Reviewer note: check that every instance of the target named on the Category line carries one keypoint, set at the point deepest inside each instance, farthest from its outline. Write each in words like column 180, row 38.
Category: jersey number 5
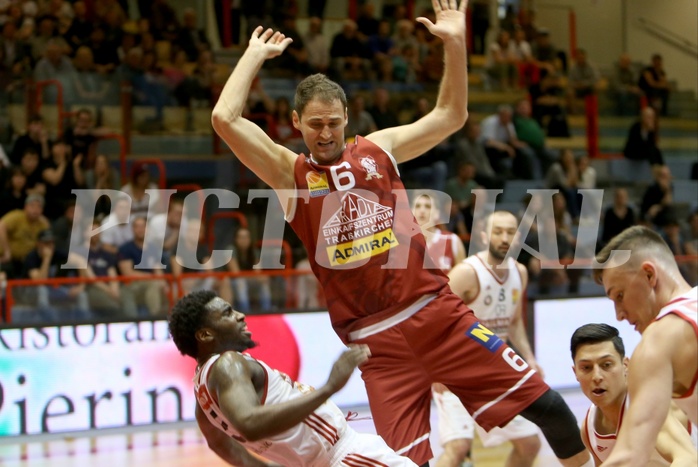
column 345, row 180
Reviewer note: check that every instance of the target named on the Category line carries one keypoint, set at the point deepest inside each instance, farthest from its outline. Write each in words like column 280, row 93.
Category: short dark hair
column 596, row 333
column 318, row 86
column 188, row 316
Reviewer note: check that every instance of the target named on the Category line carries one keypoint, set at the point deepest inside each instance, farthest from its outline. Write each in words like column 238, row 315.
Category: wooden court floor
column 184, row 446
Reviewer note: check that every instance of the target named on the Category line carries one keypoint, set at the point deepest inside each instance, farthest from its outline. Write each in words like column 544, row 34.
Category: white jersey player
column 493, row 286
column 245, row 407
column 640, row 275
column 601, row 368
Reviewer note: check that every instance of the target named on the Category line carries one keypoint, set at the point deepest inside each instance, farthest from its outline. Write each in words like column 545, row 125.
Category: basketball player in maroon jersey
column 347, row 204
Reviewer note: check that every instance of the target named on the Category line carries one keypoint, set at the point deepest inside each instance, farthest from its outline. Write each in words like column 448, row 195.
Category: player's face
column 631, row 292
column 322, row 125
column 422, row 210
column 502, row 235
column 228, row 325
column 601, row 373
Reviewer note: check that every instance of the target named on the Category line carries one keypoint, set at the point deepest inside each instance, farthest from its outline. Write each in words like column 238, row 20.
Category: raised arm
column 650, row 378
column 231, row 379
column 270, row 162
column 451, row 109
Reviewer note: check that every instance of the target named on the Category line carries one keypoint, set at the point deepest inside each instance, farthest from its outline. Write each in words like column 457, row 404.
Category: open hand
column 450, row 19
column 270, row 42
column 345, row 365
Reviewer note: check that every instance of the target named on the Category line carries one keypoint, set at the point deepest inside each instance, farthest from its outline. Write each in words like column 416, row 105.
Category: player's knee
column 458, row 448
column 557, row 422
column 527, row 448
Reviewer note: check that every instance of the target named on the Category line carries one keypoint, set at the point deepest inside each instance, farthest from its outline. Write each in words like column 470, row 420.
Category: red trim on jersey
column 357, row 460
column 322, row 427
column 214, row 397
column 489, row 269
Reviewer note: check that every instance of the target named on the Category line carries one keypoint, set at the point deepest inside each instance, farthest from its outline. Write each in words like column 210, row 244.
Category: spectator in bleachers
column 587, row 177
column 191, row 38
column 507, row 153
column 62, row 227
column 180, row 264
column 62, row 174
column 82, row 137
column 480, row 25
column 281, row 128
column 527, row 70
column 172, row 224
column 690, row 236
column 563, row 175
column 366, row 21
column 36, row 138
column 13, row 194
column 433, row 64
column 431, row 170
column 404, row 35
column 382, row 49
column 547, row 98
column 129, row 40
column 14, row 49
column 175, row 74
column 658, row 196
column 583, row 79
column 19, row 230
column 104, row 52
column 469, row 146
column 530, row 132
column 617, row 217
column 383, row 115
column 501, row 61
column 91, row 86
column 44, row 262
column 294, row 62
column 317, row 47
column 105, row 8
column 405, row 65
column 104, row 297
column 349, row 55
column 47, row 31
column 245, row 256
column 460, row 186
column 118, row 230
column 163, row 20
column 142, row 202
column 653, row 82
column 641, row 143
column 80, row 28
column 624, row 88
column 102, row 177
column 56, row 65
column 545, row 53
column 360, row 121
column 147, row 287
column 196, row 89
column 31, row 167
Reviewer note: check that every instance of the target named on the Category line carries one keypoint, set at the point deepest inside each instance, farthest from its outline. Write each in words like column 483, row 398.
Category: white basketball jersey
column 602, row 445
column 443, row 248
column 310, row 443
column 686, row 307
column 497, row 300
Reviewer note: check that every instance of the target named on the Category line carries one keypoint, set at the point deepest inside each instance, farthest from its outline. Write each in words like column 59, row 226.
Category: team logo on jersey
column 360, row 228
column 514, row 296
column 370, row 167
column 484, row 337
column 317, row 184
column 602, row 448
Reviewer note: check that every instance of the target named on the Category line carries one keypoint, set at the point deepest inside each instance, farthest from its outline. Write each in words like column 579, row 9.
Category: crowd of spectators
column 168, row 60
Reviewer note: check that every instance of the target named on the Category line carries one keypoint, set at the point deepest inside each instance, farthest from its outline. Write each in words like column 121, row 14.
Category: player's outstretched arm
column 463, row 281
column 231, row 378
column 451, row 109
column 650, row 378
column 271, row 162
column 226, row 447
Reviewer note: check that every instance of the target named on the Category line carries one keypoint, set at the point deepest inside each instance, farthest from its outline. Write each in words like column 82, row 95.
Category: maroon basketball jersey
column 363, row 243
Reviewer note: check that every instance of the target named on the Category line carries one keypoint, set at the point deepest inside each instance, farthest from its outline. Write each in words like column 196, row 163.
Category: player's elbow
column 250, row 429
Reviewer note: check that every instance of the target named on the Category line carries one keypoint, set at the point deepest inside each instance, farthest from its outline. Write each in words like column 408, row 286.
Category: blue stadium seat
column 680, row 167
column 626, row 170
column 686, row 191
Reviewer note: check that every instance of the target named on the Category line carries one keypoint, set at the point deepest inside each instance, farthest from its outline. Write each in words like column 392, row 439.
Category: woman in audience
column 14, row 194
column 641, row 144
column 245, row 256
